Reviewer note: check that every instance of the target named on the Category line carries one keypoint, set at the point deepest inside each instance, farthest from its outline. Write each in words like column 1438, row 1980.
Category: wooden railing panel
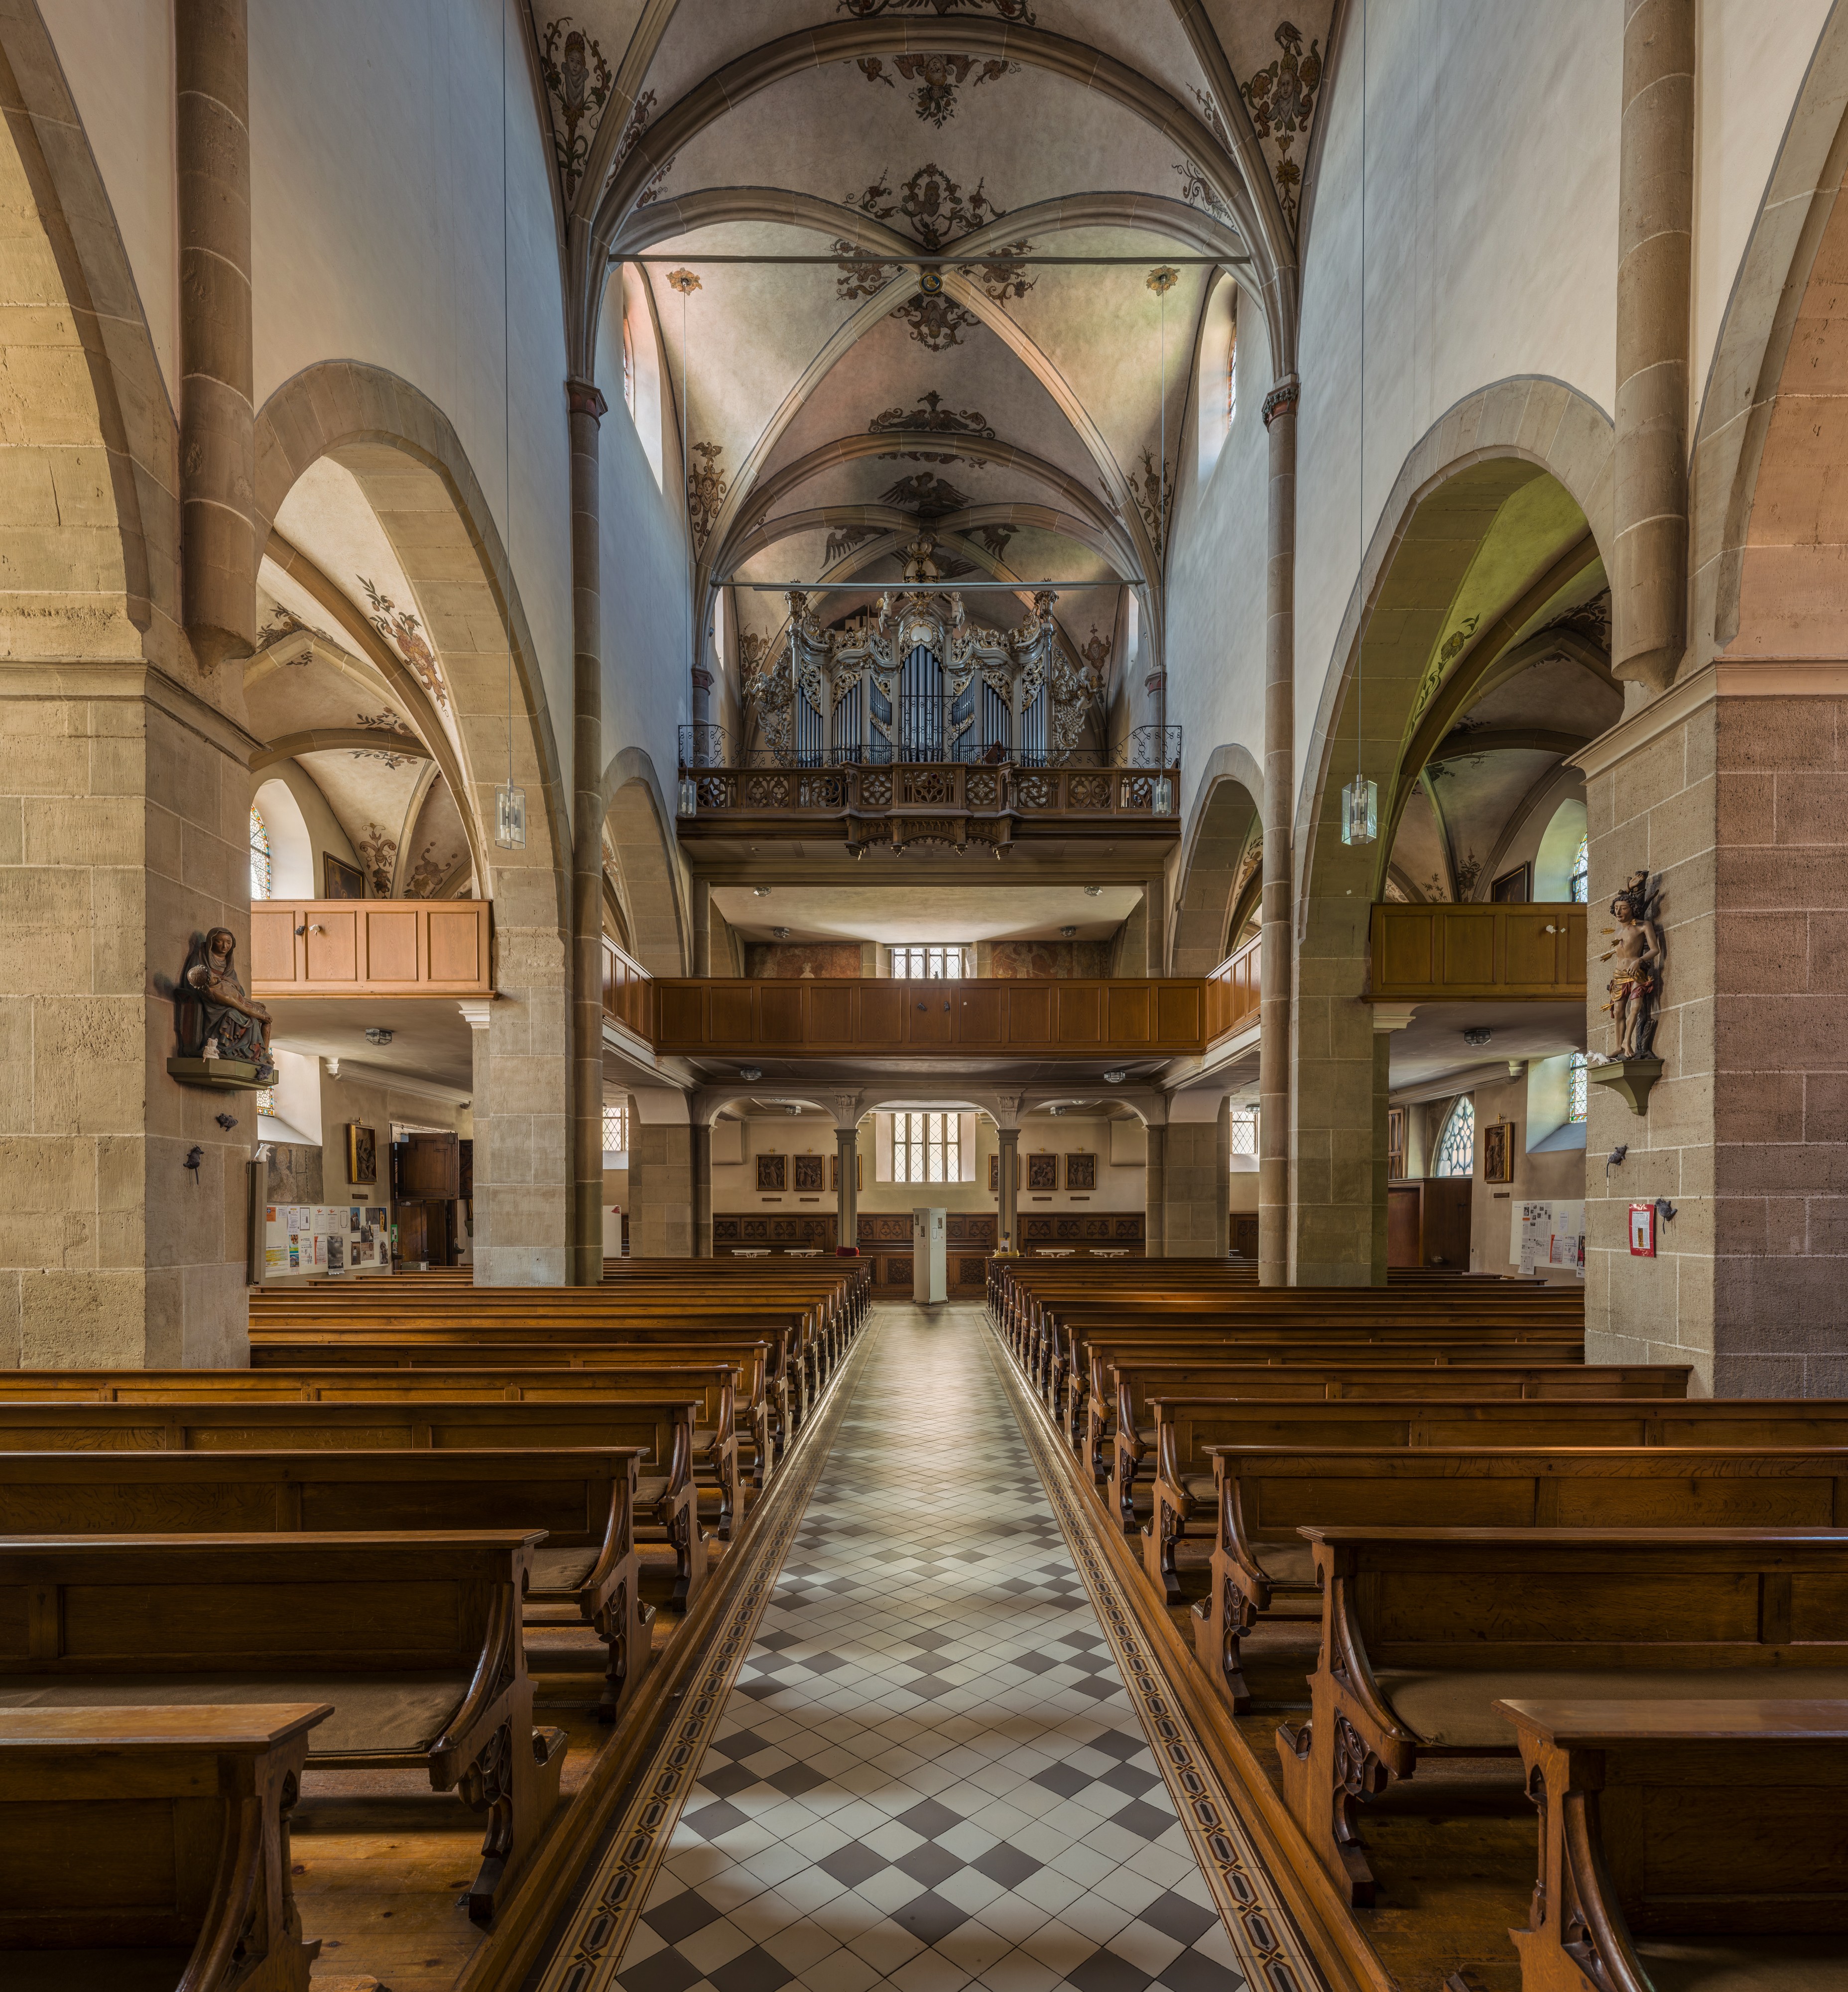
column 1002, row 1016
column 1532, row 953
column 370, row 947
column 1232, row 991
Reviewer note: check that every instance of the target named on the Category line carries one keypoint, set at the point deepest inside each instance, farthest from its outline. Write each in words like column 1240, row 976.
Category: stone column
column 1655, row 218
column 660, row 1192
column 1005, row 1168
column 847, row 1153
column 1154, row 1221
column 217, row 442
column 1196, row 1184
column 1275, row 980
column 1154, row 937
column 700, row 896
column 702, row 1190
column 586, row 407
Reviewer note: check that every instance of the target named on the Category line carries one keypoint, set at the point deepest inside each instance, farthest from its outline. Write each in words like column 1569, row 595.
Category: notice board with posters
column 303, row 1239
column 1548, row 1234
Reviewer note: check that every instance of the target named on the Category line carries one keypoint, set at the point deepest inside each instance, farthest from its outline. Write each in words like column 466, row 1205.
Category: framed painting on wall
column 1042, row 1172
column 1081, row 1172
column 341, row 882
column 859, row 1171
column 1513, row 888
column 809, row 1171
column 362, row 1155
column 1498, row 1152
column 772, row 1172
column 994, row 1172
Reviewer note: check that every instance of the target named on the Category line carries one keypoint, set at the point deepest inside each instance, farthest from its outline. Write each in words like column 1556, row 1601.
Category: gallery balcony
column 1525, row 953
column 370, row 948
column 982, row 803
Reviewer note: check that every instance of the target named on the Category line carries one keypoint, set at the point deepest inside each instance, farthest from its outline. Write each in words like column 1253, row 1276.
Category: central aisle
column 928, row 1771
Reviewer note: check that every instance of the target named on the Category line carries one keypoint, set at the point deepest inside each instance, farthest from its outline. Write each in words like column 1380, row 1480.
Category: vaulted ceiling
column 1016, row 410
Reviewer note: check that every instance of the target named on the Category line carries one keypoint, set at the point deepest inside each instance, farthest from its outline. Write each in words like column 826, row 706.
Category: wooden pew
column 583, row 1499
column 1714, row 1823
column 1424, row 1630
column 720, row 1386
column 413, row 1639
column 664, row 1499
column 1134, row 1386
column 151, row 1845
column 1266, row 1495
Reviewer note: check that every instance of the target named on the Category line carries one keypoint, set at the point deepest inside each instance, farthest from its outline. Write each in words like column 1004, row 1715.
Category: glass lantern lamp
column 1360, row 811
column 510, row 818
column 690, row 795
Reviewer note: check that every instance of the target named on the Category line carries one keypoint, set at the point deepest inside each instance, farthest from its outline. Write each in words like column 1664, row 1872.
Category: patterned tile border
column 587, row 1955
column 1263, row 1932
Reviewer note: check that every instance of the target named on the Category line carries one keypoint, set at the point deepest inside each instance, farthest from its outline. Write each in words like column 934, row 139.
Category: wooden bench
column 413, row 1639
column 1134, row 1387
column 1716, row 1824
column 583, row 1499
column 1266, row 1495
column 665, row 1508
column 151, row 1846
column 1424, row 1630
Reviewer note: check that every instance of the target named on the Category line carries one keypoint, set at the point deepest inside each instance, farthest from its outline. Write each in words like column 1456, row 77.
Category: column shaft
column 217, row 434
column 1155, row 1222
column 702, row 1190
column 585, row 1256
column 1656, row 221
column 1006, row 1167
column 847, row 1151
column 701, row 897
column 1279, row 808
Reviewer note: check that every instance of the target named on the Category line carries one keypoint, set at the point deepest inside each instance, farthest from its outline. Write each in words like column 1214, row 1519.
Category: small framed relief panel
column 1081, row 1172
column 994, row 1171
column 1498, row 1152
column 859, row 1171
column 809, row 1171
column 1042, row 1172
column 362, row 1155
column 772, row 1172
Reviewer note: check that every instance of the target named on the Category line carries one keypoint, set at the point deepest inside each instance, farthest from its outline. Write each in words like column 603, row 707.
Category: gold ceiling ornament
column 684, row 281
column 1164, row 280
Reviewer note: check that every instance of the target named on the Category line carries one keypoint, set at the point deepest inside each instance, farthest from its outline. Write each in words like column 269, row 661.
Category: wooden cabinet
column 426, row 1169
column 1428, row 1221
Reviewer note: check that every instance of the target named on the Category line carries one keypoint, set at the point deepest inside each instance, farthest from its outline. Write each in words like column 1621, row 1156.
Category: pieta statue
column 1638, row 948
column 216, row 1018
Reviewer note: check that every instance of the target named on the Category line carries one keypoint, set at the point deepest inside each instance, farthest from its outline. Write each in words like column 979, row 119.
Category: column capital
column 1287, row 392
column 477, row 1009
column 584, row 397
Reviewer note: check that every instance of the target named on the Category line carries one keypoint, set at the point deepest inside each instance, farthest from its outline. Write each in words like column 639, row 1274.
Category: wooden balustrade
column 626, row 984
column 999, row 1017
column 1232, row 991
column 370, row 947
column 1507, row 953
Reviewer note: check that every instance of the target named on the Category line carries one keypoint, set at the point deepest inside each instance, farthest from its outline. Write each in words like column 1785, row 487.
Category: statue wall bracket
column 1631, row 1079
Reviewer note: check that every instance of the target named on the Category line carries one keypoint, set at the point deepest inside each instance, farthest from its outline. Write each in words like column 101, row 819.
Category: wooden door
column 430, row 1168
column 1404, row 1224
column 413, row 1233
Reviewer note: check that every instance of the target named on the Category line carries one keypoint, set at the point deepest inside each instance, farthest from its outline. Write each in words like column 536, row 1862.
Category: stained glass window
column 927, row 1148
column 629, row 370
column 1457, row 1145
column 1232, row 366
column 266, row 1101
column 1581, row 871
column 1577, row 1081
column 263, row 866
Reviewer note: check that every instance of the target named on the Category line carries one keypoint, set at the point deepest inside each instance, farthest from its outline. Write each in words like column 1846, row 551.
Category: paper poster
column 1548, row 1234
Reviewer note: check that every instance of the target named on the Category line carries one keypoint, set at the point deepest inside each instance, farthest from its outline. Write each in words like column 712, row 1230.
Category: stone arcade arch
column 1441, row 510
column 1228, row 801
column 405, row 455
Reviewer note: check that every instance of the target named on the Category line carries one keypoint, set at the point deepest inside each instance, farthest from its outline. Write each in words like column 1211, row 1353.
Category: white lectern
column 929, row 1272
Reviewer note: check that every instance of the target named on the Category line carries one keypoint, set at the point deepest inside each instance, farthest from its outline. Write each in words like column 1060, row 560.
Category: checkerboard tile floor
column 928, row 1774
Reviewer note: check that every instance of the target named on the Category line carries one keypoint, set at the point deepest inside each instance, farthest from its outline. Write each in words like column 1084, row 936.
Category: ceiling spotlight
column 1069, row 933
column 794, row 1106
column 1092, row 891
column 750, row 1071
column 377, row 1036
column 760, row 892
column 1118, row 1076
column 781, row 934
column 1477, row 1037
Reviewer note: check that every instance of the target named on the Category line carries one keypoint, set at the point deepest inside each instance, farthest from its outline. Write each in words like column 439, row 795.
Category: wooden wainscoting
column 370, row 947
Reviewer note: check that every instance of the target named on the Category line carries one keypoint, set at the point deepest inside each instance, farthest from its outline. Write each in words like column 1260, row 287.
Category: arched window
column 1457, row 1144
column 263, row 869
column 1232, row 364
column 629, row 368
column 1581, row 871
column 1575, row 1087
